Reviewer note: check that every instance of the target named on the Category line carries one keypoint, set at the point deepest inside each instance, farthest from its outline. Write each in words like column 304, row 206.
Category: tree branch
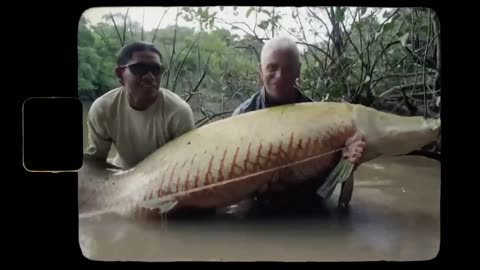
column 116, row 29
column 183, row 62
column 99, row 31
column 125, row 26
column 207, row 118
column 400, row 88
column 317, row 48
column 424, row 58
column 173, row 46
column 249, row 46
column 158, row 25
column 237, row 27
column 143, row 25
column 320, row 19
column 131, row 30
column 195, row 89
column 436, row 30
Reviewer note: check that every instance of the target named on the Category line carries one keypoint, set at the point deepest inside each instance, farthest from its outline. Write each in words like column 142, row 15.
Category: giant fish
column 225, row 162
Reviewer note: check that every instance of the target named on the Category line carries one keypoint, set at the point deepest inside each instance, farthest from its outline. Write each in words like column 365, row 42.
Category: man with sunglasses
column 139, row 116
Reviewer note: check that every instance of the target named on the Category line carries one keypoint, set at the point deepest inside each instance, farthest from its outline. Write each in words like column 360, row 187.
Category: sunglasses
column 140, row 69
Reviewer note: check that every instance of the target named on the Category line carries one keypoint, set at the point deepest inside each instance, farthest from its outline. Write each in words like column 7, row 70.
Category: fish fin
column 331, row 180
column 339, row 174
column 163, row 205
column 347, row 172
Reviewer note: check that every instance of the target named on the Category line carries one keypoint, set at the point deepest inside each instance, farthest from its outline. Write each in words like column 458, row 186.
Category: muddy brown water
column 394, row 216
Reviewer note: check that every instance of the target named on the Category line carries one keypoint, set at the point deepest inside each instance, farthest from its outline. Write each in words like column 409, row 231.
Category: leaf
column 264, row 24
column 359, row 24
column 363, row 10
column 249, row 11
column 266, row 12
column 211, row 23
column 403, row 39
column 378, row 33
column 274, row 24
column 204, row 14
column 388, row 26
column 340, row 14
column 424, row 29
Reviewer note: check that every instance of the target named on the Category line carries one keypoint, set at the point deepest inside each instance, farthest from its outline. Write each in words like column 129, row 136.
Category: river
column 394, row 216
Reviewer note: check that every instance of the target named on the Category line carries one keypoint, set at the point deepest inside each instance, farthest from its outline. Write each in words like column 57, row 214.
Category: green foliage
column 365, row 57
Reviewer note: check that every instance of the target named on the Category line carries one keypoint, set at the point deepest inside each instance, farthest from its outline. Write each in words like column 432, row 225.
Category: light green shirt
column 135, row 134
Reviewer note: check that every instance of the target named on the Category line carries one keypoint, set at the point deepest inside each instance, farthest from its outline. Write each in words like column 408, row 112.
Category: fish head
column 393, row 135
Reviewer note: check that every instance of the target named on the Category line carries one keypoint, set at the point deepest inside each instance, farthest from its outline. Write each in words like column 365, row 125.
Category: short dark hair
column 126, row 53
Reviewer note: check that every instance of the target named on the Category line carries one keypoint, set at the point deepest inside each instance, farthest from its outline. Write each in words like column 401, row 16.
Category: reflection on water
column 394, row 215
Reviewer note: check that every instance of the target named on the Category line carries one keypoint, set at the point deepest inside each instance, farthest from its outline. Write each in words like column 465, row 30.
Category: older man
column 279, row 69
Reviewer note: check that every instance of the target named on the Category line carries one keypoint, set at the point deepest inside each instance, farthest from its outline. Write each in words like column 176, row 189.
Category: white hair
column 279, row 43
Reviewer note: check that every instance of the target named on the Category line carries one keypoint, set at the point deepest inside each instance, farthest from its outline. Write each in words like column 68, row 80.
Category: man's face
column 279, row 72
column 142, row 74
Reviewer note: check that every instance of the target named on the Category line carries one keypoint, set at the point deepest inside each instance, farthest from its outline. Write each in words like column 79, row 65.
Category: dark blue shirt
column 259, row 101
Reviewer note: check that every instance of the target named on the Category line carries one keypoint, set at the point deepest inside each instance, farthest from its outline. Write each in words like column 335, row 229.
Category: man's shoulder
column 304, row 98
column 110, row 94
column 177, row 113
column 248, row 105
column 173, row 100
column 174, row 107
column 106, row 101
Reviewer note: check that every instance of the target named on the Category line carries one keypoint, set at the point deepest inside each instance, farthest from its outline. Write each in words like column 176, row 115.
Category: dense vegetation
column 388, row 59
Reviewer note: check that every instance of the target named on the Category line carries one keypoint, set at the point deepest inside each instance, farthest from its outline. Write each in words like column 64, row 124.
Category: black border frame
column 45, row 204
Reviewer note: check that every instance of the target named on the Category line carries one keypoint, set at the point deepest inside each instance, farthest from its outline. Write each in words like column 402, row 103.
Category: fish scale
column 226, row 161
column 239, row 164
